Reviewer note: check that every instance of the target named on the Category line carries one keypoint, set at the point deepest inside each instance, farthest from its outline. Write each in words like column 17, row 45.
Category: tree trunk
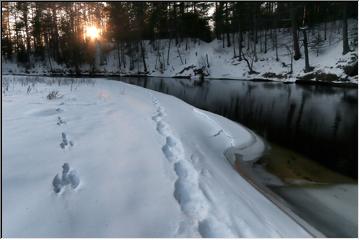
column 240, row 43
column 179, row 55
column 255, row 38
column 56, row 34
column 265, row 45
column 223, row 40
column 248, row 40
column 182, row 13
column 275, row 39
column 294, row 29
column 227, row 25
column 123, row 59
column 143, row 55
column 118, row 53
column 307, row 65
column 346, row 47
column 49, row 59
column 233, row 40
column 168, row 53
column 251, row 70
column 28, row 47
column 217, row 21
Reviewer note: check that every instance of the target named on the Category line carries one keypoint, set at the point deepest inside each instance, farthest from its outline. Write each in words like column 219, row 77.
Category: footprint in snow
column 158, row 116
column 213, row 228
column 163, row 128
column 195, row 158
column 161, row 110
column 60, row 121
column 205, row 173
column 65, row 142
column 68, row 177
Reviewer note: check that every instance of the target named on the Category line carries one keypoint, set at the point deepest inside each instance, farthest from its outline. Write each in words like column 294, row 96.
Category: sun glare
column 92, row 32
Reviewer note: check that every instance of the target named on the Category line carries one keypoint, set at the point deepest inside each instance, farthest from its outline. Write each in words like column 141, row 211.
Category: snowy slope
column 191, row 54
column 139, row 164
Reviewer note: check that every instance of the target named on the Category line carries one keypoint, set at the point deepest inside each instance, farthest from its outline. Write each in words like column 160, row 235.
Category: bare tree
column 294, row 29
column 250, row 58
column 346, row 47
column 307, row 65
column 290, row 51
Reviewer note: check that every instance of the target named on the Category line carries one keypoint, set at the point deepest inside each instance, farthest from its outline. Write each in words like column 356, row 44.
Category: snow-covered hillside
column 86, row 158
column 325, row 56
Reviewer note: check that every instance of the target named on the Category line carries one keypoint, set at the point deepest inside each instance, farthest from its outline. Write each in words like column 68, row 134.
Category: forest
column 65, row 31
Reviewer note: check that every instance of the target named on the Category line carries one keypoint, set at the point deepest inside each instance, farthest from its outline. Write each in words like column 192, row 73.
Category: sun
column 92, row 32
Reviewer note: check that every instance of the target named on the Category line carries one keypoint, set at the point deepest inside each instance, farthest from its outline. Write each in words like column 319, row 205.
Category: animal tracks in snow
column 187, row 192
column 68, row 177
column 65, row 142
column 172, row 149
column 60, row 121
column 163, row 128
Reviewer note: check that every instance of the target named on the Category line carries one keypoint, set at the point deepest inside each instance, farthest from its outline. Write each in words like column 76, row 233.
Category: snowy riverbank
column 141, row 163
column 222, row 62
column 302, row 185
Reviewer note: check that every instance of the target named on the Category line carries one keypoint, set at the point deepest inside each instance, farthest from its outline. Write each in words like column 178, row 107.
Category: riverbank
column 295, row 169
column 324, row 199
column 248, row 173
column 331, row 208
column 343, row 84
column 216, row 61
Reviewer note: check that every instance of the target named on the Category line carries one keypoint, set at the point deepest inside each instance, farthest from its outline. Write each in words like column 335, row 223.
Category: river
column 319, row 122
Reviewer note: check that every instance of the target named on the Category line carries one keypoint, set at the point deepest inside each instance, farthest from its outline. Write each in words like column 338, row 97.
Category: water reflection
column 318, row 121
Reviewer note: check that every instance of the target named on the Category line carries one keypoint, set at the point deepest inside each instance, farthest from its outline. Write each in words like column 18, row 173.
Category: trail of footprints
column 188, row 193
column 69, row 177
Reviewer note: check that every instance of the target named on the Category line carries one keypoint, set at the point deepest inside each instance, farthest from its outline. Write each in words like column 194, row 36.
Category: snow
column 108, row 159
column 326, row 57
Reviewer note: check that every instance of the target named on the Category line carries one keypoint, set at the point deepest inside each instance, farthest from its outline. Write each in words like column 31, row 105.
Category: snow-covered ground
column 107, row 159
column 325, row 56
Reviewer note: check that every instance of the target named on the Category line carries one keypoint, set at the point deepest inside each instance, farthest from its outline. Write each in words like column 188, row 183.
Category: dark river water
column 318, row 121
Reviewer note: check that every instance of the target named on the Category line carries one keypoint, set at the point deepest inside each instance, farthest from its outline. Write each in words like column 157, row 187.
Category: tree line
column 55, row 31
